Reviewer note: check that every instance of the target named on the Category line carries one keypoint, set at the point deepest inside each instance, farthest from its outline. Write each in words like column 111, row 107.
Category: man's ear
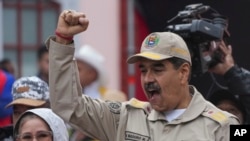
column 184, row 72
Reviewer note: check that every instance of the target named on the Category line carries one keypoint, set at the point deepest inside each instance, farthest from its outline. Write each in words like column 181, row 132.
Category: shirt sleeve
column 98, row 119
column 238, row 82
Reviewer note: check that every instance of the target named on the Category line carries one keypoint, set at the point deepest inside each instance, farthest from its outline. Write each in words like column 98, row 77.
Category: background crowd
column 27, row 97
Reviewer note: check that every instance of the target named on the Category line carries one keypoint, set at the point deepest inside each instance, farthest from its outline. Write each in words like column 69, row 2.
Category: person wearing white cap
column 93, row 76
column 175, row 110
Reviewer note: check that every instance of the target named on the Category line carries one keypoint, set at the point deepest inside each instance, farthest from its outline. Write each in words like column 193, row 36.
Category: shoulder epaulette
column 216, row 115
column 135, row 103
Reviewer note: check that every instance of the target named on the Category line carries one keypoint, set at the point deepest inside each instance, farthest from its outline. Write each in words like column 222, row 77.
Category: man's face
column 44, row 64
column 87, row 73
column 165, row 86
column 18, row 110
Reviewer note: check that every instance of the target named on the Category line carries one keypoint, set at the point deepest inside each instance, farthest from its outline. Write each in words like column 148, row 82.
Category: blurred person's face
column 34, row 128
column 165, row 86
column 230, row 107
column 18, row 110
column 44, row 64
column 87, row 73
column 10, row 68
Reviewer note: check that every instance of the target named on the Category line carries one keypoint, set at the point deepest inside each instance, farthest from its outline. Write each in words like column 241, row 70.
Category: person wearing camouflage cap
column 175, row 110
column 28, row 92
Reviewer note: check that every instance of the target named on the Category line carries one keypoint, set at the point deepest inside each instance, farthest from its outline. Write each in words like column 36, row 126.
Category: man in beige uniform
column 175, row 111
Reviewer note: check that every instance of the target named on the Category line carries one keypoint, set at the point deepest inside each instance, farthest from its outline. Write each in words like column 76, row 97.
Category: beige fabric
column 132, row 120
column 27, row 102
column 114, row 95
column 160, row 46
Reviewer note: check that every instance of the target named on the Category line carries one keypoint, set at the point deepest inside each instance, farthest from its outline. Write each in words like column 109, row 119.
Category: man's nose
column 149, row 77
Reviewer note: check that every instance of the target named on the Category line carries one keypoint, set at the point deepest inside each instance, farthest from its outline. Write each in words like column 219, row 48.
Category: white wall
column 103, row 33
column 1, row 30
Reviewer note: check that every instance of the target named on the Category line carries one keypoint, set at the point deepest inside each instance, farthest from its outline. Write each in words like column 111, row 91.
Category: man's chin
column 157, row 107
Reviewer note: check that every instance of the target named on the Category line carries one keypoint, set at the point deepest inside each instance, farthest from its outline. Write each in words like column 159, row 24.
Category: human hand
column 227, row 61
column 69, row 24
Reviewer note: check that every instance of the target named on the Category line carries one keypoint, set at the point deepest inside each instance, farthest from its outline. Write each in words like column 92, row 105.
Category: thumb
column 83, row 21
column 229, row 49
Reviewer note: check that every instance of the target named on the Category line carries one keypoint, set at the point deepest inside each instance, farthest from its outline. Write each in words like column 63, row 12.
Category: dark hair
column 6, row 132
column 225, row 94
column 3, row 63
column 41, row 51
column 177, row 62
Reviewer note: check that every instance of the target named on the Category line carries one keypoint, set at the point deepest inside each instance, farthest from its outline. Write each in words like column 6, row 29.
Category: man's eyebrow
column 140, row 66
column 156, row 64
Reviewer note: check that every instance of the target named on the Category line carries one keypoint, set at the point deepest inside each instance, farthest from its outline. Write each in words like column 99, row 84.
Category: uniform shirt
column 131, row 120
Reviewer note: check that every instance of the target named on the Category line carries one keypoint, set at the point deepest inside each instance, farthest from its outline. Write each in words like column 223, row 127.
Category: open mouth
column 152, row 89
column 152, row 93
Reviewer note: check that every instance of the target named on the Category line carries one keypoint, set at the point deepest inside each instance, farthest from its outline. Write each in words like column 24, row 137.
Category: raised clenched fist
column 70, row 23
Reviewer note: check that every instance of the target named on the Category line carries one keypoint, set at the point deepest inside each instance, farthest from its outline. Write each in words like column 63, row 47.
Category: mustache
column 152, row 86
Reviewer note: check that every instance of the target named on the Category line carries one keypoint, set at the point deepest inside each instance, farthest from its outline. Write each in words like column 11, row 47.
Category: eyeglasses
column 40, row 136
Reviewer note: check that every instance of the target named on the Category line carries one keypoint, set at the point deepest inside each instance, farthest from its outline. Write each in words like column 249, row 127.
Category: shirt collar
column 194, row 109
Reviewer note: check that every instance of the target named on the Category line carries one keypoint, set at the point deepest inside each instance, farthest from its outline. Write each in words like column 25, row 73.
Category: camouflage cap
column 30, row 91
column 162, row 45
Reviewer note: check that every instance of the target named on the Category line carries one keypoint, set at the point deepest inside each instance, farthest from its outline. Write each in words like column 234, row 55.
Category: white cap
column 88, row 54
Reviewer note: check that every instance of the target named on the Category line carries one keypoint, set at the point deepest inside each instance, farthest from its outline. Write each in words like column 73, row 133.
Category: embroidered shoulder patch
column 114, row 107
